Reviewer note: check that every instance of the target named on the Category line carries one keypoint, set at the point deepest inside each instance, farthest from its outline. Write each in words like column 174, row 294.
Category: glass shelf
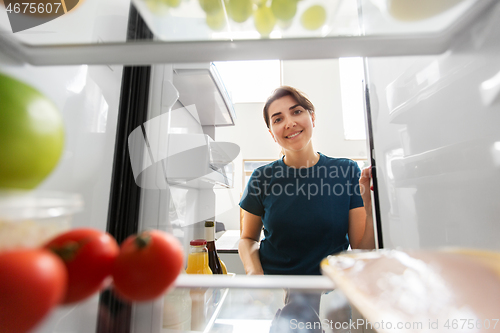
column 94, row 32
column 245, row 303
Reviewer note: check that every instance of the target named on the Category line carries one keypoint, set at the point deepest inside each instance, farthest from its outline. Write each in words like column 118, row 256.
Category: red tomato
column 147, row 265
column 32, row 282
column 88, row 255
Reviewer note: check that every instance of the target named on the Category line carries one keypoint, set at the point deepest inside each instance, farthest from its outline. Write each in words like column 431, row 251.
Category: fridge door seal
column 125, row 195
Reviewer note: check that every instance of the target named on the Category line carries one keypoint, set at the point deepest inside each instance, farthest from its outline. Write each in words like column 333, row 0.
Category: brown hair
column 283, row 91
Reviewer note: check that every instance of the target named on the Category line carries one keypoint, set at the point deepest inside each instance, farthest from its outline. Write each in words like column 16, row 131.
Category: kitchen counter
column 228, row 242
column 227, row 247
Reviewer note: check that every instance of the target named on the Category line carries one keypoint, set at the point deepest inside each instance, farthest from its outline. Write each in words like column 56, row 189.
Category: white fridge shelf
column 370, row 30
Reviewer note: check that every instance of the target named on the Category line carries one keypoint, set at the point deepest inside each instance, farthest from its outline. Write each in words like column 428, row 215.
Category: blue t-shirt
column 305, row 212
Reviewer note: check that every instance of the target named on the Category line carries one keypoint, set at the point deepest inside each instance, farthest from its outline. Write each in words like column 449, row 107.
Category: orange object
column 198, row 258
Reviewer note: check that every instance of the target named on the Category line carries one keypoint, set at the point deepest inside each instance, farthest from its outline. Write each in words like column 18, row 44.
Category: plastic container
column 177, row 310
column 30, row 218
column 198, row 264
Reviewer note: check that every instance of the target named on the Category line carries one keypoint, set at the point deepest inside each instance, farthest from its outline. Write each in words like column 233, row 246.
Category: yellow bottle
column 224, row 268
column 198, row 258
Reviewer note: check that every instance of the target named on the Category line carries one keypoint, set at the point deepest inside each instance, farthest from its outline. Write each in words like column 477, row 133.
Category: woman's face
column 290, row 124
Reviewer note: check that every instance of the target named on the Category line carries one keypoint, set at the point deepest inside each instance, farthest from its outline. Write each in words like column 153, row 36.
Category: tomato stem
column 143, row 240
column 68, row 251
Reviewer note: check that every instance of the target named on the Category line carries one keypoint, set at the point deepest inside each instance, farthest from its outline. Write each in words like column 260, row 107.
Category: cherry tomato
column 147, row 265
column 88, row 255
column 32, row 282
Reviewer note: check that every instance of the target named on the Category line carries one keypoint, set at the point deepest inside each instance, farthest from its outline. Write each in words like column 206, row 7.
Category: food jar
column 30, row 218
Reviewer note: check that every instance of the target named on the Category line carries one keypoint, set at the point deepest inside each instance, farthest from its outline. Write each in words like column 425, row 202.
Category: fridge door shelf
column 200, row 85
column 196, row 161
column 451, row 164
column 215, row 180
column 415, row 94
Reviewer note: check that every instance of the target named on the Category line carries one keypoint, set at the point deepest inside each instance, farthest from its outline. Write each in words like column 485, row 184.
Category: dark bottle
column 213, row 258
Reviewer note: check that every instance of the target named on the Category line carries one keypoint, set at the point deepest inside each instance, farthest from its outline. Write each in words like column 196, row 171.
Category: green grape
column 313, row 17
column 216, row 21
column 211, row 6
column 264, row 20
column 240, row 10
column 284, row 9
column 260, row 2
column 173, row 3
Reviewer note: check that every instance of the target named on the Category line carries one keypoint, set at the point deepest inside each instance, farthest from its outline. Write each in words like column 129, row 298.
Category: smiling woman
column 309, row 205
column 302, row 197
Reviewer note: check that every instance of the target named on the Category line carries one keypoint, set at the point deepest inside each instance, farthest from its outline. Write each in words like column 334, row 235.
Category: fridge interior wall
column 437, row 144
column 168, row 203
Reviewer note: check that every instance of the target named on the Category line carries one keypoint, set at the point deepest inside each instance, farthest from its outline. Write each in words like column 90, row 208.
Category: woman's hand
column 257, row 271
column 361, row 229
column 365, row 187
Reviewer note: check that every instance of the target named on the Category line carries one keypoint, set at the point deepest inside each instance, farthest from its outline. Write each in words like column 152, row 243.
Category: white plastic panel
column 200, row 85
column 437, row 143
column 90, row 22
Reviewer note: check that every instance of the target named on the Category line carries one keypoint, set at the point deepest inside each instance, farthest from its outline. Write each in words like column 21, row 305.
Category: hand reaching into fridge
column 367, row 240
column 365, row 187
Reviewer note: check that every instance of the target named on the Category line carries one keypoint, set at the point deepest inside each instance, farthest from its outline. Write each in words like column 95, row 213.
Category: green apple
column 264, row 20
column 313, row 17
column 31, row 135
column 284, row 9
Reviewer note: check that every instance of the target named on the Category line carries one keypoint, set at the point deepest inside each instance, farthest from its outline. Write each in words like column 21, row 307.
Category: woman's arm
column 249, row 244
column 361, row 233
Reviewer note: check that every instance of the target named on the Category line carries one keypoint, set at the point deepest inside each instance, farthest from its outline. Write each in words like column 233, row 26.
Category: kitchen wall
column 319, row 79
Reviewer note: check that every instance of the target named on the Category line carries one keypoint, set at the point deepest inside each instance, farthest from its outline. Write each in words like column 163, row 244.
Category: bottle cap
column 198, row 242
column 209, row 223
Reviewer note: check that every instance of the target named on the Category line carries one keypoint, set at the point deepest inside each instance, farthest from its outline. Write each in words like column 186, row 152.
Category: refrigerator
column 141, row 102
